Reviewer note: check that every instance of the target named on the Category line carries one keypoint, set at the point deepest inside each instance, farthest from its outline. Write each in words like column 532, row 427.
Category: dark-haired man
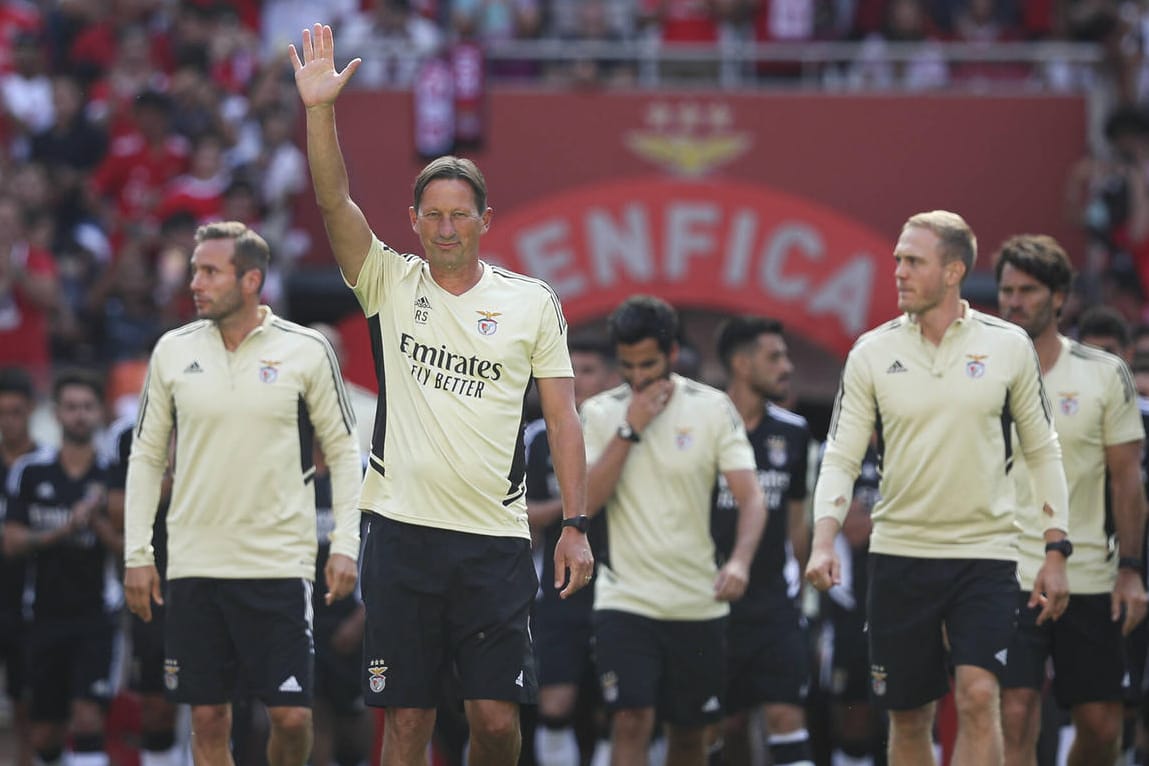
column 768, row 660
column 246, row 394
column 656, row 447
column 1098, row 423
column 448, row 578
column 56, row 516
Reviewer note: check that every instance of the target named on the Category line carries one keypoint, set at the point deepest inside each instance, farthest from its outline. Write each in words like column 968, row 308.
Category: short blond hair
column 956, row 239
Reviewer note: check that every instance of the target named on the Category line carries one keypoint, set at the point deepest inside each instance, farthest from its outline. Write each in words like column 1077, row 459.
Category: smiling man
column 448, row 579
column 941, row 385
column 1099, row 425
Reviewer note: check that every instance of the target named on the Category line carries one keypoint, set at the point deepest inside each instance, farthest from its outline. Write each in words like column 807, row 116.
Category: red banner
column 729, row 247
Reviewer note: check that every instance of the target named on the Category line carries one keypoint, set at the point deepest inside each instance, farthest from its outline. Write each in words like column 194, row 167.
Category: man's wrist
column 1131, row 563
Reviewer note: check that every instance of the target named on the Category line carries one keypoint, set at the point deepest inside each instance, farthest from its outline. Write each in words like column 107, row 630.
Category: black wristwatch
column 1130, row 562
column 626, row 431
column 578, row 522
column 1064, row 547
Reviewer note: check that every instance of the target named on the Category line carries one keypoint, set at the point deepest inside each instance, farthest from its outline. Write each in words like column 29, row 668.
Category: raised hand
column 315, row 76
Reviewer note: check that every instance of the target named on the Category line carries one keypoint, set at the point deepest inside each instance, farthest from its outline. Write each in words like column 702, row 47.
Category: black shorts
column 12, row 637
column 563, row 641
column 441, row 602
column 846, row 668
column 147, row 671
column 674, row 666
column 1136, row 654
column 68, row 660
column 338, row 675
column 1086, row 646
column 768, row 661
column 245, row 636
column 909, row 603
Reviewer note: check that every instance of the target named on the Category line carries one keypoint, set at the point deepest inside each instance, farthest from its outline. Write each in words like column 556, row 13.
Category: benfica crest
column 1069, row 404
column 268, row 370
column 975, row 367
column 878, row 680
column 376, row 678
column 776, row 450
column 488, row 325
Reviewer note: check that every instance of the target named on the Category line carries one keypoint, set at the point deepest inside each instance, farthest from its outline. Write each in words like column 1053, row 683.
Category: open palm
column 315, row 76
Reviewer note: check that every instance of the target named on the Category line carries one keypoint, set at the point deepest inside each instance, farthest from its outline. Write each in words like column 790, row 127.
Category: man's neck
column 234, row 328
column 935, row 321
column 76, row 458
column 749, row 404
column 1048, row 345
column 458, row 280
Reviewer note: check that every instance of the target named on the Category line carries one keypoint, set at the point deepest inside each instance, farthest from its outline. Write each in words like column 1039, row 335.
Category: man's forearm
column 1128, row 512
column 325, row 159
column 603, row 475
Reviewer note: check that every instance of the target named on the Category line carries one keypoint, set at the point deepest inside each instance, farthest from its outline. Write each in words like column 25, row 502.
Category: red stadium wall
column 782, row 204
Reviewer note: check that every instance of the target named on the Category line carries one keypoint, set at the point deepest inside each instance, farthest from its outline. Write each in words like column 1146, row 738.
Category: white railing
column 734, row 63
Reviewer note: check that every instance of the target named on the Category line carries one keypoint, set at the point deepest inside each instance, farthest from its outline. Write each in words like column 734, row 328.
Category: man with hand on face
column 1099, row 426
column 655, row 448
column 448, row 579
column 246, row 394
column 941, row 385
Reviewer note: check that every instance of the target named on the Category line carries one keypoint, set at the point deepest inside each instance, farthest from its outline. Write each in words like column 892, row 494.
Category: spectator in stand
column 132, row 177
column 197, row 100
column 134, row 71
column 795, row 21
column 985, row 23
column 69, row 149
column 393, row 40
column 280, row 165
column 677, row 22
column 200, row 190
column 26, row 93
column 129, row 317
column 591, row 22
column 233, row 51
column 620, row 17
column 906, row 21
column 493, row 21
column 29, row 291
column 16, row 18
column 112, row 24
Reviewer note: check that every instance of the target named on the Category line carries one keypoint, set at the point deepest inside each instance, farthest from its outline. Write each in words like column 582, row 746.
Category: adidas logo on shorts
column 519, row 680
column 290, row 685
column 711, row 705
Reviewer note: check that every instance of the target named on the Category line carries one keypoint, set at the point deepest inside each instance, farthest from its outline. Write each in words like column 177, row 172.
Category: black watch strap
column 578, row 522
column 1063, row 546
column 1131, row 562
